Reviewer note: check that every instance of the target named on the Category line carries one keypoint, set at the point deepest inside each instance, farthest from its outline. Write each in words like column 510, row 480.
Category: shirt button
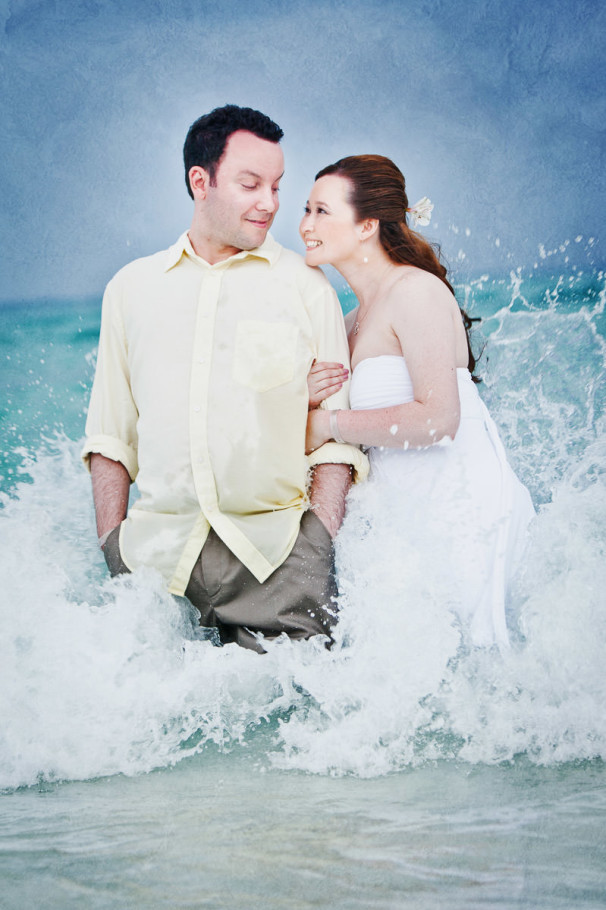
column 196, row 408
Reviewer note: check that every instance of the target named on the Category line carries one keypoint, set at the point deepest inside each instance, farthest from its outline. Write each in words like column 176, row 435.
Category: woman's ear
column 368, row 228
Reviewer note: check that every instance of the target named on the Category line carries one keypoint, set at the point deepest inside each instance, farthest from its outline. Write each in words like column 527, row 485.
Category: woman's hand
column 318, row 429
column 323, row 380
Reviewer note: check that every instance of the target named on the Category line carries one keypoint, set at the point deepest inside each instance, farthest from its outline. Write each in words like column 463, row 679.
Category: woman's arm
column 421, row 316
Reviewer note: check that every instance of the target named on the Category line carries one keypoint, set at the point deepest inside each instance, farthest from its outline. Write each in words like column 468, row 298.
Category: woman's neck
column 368, row 279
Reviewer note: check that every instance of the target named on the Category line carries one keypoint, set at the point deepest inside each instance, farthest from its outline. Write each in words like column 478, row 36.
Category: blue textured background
column 496, row 110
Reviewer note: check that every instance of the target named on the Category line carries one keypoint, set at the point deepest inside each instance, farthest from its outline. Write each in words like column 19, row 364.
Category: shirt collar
column 269, row 250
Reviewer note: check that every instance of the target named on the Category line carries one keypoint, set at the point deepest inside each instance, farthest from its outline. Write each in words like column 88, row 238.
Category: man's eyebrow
column 248, row 173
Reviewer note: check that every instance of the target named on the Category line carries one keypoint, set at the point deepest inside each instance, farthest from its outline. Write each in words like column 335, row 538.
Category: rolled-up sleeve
column 111, row 426
column 331, row 345
column 338, row 453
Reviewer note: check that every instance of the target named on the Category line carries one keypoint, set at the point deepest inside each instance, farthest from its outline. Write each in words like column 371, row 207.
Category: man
column 201, row 395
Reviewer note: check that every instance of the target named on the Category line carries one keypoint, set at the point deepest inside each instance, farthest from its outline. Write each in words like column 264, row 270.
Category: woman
column 431, row 441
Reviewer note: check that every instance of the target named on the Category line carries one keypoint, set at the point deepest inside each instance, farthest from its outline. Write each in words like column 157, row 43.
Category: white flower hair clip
column 420, row 212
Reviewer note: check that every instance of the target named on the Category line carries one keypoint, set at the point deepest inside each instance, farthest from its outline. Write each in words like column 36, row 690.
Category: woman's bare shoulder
column 413, row 285
column 413, row 277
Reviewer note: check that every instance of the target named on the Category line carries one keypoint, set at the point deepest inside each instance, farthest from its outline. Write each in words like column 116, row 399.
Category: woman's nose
column 306, row 223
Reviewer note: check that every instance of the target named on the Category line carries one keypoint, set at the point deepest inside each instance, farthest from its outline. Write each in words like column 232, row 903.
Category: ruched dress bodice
column 384, row 381
column 380, row 382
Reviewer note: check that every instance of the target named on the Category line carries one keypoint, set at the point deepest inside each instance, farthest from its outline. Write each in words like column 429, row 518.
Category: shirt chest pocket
column 264, row 353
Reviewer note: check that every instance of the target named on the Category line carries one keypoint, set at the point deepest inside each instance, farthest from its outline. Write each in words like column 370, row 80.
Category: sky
column 495, row 109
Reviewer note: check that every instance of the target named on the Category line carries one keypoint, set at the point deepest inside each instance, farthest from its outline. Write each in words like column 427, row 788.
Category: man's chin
column 254, row 238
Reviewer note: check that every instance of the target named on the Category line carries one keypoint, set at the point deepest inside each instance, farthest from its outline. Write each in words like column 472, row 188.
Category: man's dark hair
column 207, row 137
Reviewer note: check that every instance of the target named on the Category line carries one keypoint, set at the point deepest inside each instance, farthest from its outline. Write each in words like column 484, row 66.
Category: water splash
column 102, row 677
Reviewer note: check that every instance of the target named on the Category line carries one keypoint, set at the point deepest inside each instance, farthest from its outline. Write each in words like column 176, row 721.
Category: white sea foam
column 101, row 676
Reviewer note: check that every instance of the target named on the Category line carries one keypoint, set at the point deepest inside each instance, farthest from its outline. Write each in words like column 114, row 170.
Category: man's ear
column 199, row 181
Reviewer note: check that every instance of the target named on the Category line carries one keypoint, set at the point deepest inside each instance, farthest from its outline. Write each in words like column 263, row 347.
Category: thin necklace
column 356, row 327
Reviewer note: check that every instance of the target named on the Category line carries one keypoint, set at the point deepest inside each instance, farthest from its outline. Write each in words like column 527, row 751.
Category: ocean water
column 140, row 766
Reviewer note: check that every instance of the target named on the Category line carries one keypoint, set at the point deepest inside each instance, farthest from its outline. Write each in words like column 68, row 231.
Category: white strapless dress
column 458, row 502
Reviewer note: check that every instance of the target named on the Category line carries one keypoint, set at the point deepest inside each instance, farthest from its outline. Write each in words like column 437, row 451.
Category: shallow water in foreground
column 144, row 767
column 216, row 831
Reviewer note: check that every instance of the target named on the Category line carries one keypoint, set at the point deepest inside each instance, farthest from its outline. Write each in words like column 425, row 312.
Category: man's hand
column 328, row 491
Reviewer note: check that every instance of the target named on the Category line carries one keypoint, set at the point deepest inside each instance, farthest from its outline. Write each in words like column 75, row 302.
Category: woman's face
column 328, row 227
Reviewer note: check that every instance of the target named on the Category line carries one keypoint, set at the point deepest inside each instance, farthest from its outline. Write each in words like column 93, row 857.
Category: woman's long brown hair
column 378, row 191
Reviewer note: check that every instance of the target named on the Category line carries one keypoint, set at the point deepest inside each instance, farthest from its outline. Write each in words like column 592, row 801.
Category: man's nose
column 268, row 201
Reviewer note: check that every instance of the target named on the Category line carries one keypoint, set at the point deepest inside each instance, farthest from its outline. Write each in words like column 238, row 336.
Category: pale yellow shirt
column 201, row 393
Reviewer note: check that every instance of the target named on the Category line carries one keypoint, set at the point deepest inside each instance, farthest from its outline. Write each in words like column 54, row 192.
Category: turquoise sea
column 140, row 766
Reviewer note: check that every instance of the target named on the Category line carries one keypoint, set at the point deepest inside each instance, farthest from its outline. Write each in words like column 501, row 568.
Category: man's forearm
column 111, row 484
column 329, row 488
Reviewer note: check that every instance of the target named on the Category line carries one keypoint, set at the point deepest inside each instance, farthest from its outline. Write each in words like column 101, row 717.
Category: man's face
column 240, row 208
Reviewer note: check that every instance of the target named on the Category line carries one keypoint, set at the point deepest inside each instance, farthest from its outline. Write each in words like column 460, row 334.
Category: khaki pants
column 298, row 598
